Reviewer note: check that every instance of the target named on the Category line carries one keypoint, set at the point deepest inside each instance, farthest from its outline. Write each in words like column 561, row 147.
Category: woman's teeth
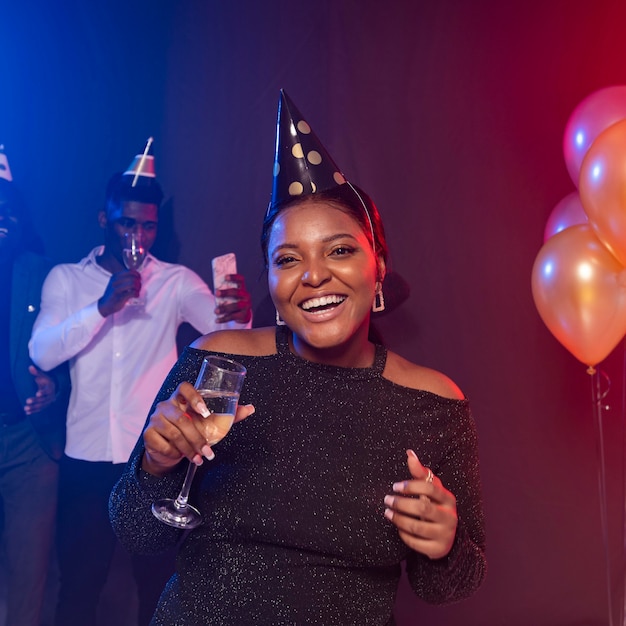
column 316, row 303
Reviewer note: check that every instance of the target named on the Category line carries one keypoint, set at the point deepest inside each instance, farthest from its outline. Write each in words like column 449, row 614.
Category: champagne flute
column 219, row 382
column 133, row 255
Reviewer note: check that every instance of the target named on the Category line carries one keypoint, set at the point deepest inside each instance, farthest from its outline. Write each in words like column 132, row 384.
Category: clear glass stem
column 183, row 496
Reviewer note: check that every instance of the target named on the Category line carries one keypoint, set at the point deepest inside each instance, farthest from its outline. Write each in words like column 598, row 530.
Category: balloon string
column 598, row 397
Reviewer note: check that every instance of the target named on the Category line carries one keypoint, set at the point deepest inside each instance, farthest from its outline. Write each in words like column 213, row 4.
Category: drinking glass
column 219, row 382
column 133, row 255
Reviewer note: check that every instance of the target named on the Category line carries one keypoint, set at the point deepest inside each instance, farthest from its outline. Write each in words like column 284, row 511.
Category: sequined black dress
column 294, row 531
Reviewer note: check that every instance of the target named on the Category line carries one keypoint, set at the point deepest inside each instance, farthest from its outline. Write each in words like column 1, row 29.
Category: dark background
column 451, row 115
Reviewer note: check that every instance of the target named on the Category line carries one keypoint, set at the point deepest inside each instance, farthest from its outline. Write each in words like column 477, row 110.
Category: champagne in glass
column 219, row 383
column 133, row 255
column 222, row 405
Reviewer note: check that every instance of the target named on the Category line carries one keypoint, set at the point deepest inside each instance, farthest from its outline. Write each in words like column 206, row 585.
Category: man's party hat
column 142, row 166
column 5, row 170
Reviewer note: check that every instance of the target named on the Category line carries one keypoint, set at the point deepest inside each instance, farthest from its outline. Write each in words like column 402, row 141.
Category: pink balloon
column 568, row 212
column 594, row 114
column 603, row 188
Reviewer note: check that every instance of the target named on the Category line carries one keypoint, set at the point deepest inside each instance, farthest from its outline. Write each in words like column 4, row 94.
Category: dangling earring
column 279, row 322
column 379, row 300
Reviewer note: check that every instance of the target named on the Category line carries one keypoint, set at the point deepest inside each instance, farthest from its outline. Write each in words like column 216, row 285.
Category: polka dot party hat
column 302, row 166
column 142, row 166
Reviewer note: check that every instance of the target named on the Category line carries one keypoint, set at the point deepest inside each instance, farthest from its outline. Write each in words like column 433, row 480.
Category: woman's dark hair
column 347, row 197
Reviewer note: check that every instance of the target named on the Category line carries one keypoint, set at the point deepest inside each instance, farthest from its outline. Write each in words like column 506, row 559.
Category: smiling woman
column 355, row 460
column 323, row 276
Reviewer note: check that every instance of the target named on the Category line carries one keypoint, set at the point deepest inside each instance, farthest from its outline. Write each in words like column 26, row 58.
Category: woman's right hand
column 172, row 435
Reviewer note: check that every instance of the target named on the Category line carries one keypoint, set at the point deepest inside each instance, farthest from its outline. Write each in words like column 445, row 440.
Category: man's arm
column 198, row 304
column 59, row 333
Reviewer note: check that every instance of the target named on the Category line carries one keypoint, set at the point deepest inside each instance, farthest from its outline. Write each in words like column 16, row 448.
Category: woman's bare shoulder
column 248, row 342
column 402, row 372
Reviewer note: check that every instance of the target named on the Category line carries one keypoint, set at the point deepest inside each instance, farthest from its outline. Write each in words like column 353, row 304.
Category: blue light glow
column 596, row 171
column 580, row 138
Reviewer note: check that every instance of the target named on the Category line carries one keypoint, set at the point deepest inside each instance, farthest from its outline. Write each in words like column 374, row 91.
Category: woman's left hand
column 423, row 511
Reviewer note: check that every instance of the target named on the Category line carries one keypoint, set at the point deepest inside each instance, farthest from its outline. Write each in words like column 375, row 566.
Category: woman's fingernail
column 251, row 408
column 197, row 460
column 411, row 453
column 399, row 486
column 389, row 514
column 389, row 500
column 201, row 408
column 208, row 453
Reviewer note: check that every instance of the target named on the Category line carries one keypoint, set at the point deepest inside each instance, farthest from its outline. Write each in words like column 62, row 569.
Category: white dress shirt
column 117, row 363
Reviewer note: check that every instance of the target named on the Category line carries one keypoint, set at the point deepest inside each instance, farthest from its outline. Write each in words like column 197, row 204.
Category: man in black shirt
column 32, row 415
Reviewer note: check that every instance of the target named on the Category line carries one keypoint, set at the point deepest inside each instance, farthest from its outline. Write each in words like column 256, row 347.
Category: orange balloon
column 579, row 289
column 602, row 186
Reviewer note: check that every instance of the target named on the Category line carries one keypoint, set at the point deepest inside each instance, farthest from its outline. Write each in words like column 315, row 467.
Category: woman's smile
column 322, row 303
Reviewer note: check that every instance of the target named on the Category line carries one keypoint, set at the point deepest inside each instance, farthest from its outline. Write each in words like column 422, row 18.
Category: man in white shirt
column 119, row 354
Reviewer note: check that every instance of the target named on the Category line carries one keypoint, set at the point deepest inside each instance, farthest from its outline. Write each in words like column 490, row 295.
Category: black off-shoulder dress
column 294, row 531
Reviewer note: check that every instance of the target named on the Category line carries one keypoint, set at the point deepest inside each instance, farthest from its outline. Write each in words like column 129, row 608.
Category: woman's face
column 322, row 276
